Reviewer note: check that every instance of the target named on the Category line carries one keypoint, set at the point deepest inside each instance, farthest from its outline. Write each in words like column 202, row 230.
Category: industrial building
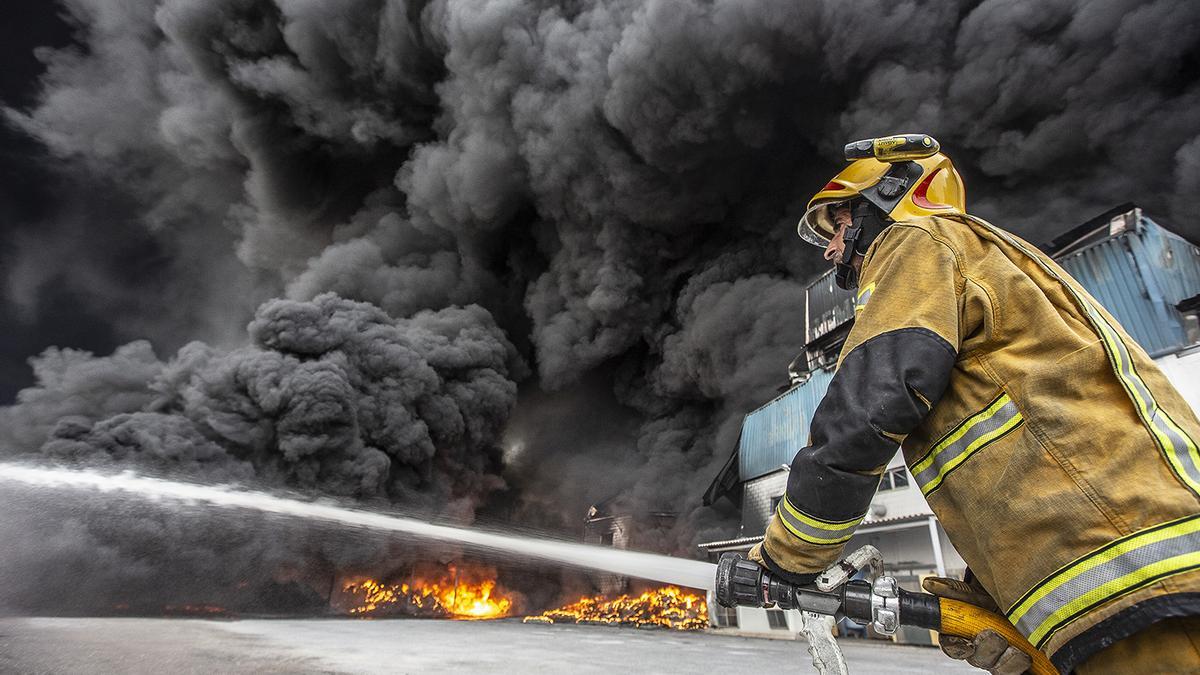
column 606, row 526
column 1145, row 275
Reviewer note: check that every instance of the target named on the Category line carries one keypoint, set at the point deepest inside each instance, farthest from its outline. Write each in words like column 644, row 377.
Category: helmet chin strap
column 844, row 274
column 866, row 222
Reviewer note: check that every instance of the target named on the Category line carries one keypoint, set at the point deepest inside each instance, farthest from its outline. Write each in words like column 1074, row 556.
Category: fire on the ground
column 667, row 607
column 450, row 595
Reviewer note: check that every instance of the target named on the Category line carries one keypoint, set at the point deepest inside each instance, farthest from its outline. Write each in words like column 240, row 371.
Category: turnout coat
column 1061, row 462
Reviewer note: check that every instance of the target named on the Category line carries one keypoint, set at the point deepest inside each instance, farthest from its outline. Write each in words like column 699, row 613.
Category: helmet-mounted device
column 889, row 179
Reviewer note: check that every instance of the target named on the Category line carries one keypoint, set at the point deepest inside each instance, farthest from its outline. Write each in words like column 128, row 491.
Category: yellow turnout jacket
column 1061, row 462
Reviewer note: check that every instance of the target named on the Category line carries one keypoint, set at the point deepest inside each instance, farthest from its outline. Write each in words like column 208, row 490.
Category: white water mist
column 661, row 568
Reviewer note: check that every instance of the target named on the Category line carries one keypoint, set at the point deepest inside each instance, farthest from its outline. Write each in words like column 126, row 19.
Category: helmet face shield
column 818, row 227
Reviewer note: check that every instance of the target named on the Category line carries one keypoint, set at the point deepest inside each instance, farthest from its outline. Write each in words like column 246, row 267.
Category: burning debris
column 371, row 595
column 668, row 607
column 450, row 595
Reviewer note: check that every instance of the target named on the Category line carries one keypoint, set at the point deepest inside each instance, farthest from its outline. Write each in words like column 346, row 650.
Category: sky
column 27, row 198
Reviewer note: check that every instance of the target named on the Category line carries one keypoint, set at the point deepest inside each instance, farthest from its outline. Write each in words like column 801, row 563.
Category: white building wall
column 760, row 494
column 908, row 551
column 955, row 565
column 758, row 498
column 1184, row 373
column 754, row 620
column 902, row 550
column 897, row 503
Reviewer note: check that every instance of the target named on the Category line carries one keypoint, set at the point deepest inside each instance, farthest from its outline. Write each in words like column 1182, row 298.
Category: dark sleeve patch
column 885, row 386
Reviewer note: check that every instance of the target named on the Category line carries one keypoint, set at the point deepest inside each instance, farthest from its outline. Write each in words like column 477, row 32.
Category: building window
column 1190, row 309
column 894, row 479
column 727, row 617
column 777, row 619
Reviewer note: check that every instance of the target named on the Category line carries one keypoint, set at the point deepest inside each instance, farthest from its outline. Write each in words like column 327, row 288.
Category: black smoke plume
column 448, row 191
column 333, row 397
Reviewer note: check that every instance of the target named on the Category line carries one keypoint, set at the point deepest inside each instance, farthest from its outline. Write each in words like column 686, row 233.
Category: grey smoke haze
column 604, row 191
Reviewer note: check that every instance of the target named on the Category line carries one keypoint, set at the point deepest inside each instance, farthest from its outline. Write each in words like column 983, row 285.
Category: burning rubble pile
column 452, row 594
column 666, row 607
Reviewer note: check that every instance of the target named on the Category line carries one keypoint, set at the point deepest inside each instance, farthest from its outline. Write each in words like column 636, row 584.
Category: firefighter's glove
column 968, row 591
column 755, row 555
column 989, row 650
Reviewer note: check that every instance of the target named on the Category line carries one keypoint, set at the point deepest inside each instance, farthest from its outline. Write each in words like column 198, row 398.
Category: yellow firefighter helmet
column 905, row 176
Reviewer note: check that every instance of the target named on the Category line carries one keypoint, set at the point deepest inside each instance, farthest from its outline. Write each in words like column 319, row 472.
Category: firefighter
column 1061, row 462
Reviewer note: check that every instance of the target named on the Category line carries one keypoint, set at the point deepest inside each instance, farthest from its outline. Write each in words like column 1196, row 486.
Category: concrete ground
column 185, row 646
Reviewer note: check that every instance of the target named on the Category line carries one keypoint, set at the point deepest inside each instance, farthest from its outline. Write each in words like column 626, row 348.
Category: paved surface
column 186, row 646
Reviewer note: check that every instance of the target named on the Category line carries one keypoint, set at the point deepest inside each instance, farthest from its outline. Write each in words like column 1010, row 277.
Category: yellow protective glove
column 989, row 650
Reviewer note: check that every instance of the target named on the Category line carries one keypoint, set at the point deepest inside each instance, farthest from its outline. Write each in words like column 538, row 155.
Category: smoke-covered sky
column 504, row 257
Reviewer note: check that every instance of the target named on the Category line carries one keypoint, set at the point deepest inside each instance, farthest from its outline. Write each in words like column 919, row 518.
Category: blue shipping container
column 1139, row 276
column 774, row 433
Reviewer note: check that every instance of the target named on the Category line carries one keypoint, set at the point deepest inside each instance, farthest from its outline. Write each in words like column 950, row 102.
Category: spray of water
column 665, row 569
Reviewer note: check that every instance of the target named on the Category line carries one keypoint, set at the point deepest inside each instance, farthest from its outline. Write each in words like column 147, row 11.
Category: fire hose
column 877, row 600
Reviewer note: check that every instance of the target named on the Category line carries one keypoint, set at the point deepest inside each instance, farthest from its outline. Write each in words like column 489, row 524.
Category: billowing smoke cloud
column 611, row 187
column 334, row 396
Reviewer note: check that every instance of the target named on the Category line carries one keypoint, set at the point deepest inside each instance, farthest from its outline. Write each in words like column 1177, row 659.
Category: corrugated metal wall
column 758, row 500
column 773, row 434
column 828, row 306
column 1173, row 264
column 1139, row 276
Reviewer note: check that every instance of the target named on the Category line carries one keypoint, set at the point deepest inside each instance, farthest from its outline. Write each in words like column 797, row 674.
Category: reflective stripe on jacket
column 1062, row 464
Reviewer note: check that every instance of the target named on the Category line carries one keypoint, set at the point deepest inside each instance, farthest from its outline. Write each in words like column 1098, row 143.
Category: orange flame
column 667, row 607
column 442, row 597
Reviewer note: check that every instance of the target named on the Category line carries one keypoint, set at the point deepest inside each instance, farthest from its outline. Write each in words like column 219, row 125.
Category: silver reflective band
column 1180, row 451
column 863, row 296
column 815, row 530
column 1119, row 568
column 972, row 435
